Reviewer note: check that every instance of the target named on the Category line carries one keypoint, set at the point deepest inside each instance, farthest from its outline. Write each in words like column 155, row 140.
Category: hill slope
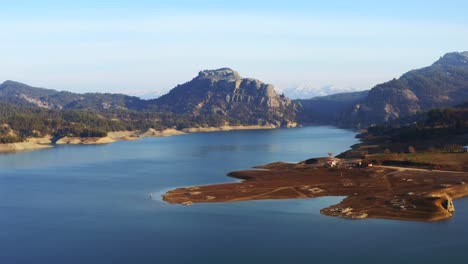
column 443, row 84
column 224, row 93
column 24, row 95
column 222, row 96
column 213, row 98
column 327, row 109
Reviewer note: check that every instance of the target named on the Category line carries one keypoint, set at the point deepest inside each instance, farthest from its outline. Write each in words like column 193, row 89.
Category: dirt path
column 416, row 169
column 388, row 182
column 254, row 197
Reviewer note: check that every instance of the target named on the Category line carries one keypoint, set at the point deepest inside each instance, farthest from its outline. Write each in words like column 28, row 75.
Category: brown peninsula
column 372, row 192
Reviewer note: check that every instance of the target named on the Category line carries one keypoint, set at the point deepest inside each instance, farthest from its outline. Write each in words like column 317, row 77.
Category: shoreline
column 46, row 142
column 227, row 128
column 23, row 146
column 377, row 192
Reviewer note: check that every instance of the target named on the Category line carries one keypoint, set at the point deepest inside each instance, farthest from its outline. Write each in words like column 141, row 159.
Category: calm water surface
column 89, row 204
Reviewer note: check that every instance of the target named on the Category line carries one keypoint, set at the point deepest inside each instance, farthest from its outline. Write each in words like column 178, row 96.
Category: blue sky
column 147, row 47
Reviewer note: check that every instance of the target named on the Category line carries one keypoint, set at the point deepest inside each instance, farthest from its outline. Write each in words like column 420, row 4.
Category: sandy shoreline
column 46, row 142
column 29, row 144
column 226, row 128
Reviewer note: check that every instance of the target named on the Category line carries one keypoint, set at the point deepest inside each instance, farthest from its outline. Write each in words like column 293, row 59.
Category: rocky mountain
column 214, row 97
column 224, row 93
column 222, row 96
column 443, row 84
column 24, row 95
column 327, row 109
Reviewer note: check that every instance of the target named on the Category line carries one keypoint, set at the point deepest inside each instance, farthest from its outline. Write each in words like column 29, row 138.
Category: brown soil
column 428, row 160
column 374, row 192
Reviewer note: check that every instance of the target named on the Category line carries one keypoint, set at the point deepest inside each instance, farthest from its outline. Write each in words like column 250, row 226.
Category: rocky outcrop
column 124, row 135
column 151, row 132
column 84, row 141
column 224, row 93
column 221, row 97
column 213, row 98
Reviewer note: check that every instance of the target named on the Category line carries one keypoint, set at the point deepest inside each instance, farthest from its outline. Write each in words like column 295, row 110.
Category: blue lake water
column 90, row 204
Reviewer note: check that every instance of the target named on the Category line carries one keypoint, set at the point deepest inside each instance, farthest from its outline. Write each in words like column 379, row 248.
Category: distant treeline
column 437, row 123
column 19, row 122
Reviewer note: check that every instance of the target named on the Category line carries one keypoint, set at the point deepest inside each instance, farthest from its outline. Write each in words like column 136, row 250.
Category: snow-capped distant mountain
column 145, row 94
column 307, row 92
column 297, row 92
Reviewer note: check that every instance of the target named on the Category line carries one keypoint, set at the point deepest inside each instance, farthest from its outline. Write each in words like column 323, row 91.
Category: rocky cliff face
column 443, row 84
column 223, row 92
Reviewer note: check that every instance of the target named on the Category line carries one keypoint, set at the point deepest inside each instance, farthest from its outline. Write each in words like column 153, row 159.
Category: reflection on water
column 236, row 148
column 90, row 204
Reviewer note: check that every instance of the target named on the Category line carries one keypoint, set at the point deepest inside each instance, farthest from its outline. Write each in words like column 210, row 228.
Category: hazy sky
column 139, row 47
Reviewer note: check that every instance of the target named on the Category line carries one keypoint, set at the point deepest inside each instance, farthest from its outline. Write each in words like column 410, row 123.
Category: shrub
column 5, row 139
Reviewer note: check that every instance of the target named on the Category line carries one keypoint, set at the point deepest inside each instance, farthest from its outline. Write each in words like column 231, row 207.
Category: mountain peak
column 220, row 74
column 454, row 59
column 229, row 97
column 10, row 82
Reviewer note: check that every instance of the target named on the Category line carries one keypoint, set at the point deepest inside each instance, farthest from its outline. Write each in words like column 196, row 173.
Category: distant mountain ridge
column 443, row 84
column 24, row 95
column 327, row 109
column 303, row 92
column 220, row 96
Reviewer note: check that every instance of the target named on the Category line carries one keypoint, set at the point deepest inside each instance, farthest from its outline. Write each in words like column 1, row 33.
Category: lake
column 90, row 204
